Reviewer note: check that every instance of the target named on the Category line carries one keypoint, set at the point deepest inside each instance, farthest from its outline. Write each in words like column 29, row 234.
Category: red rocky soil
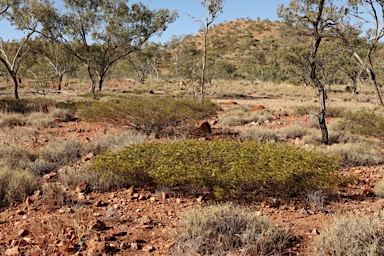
column 137, row 221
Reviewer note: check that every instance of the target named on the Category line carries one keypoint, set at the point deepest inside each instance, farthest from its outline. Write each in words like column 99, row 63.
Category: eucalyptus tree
column 5, row 5
column 21, row 16
column 315, row 18
column 102, row 32
column 370, row 16
column 176, row 45
column 57, row 59
column 145, row 60
column 214, row 8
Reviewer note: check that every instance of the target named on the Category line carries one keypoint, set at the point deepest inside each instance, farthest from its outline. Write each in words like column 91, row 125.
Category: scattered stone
column 21, row 212
column 83, row 187
column 148, row 248
column 22, row 233
column 124, row 245
column 97, row 225
column 315, row 232
column 142, row 197
column 366, row 190
column 178, row 200
column 97, row 203
column 164, row 195
column 96, row 245
column 12, row 251
column 49, row 177
column 135, row 246
column 87, row 158
column 144, row 220
column 130, row 191
column 81, row 196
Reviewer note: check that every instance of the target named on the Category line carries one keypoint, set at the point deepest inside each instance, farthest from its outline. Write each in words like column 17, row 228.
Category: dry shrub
column 12, row 119
column 379, row 188
column 54, row 195
column 315, row 200
column 313, row 137
column 63, row 114
column 63, row 152
column 260, row 134
column 223, row 229
column 352, row 236
column 240, row 115
column 71, row 177
column 16, row 185
column 115, row 142
column 40, row 120
column 292, row 132
column 356, row 154
column 15, row 157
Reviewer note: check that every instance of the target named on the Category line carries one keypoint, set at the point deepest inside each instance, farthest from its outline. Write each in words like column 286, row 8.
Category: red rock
column 97, row 225
column 228, row 103
column 257, row 108
column 367, row 190
column 205, row 127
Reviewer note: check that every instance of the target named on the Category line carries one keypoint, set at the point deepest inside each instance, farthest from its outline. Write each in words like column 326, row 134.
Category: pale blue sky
column 233, row 9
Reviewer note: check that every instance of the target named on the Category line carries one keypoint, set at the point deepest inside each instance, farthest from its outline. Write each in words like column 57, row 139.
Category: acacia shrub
column 222, row 167
column 365, row 123
column 158, row 115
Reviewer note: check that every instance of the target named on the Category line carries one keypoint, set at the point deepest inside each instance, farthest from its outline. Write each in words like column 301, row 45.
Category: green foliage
column 157, row 115
column 352, row 236
column 365, row 123
column 218, row 166
column 224, row 229
column 16, row 185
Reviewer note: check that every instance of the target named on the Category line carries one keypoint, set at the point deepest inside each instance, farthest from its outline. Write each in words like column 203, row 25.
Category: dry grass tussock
column 222, row 229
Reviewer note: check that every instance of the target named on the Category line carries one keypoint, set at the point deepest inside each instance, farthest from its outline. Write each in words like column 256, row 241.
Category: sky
column 184, row 25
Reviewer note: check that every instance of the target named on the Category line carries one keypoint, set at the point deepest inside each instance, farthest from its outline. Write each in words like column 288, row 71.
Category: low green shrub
column 158, row 115
column 16, row 185
column 223, row 167
column 352, row 236
column 223, row 229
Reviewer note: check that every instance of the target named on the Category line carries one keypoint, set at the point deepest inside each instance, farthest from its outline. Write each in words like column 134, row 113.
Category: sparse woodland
column 252, row 137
